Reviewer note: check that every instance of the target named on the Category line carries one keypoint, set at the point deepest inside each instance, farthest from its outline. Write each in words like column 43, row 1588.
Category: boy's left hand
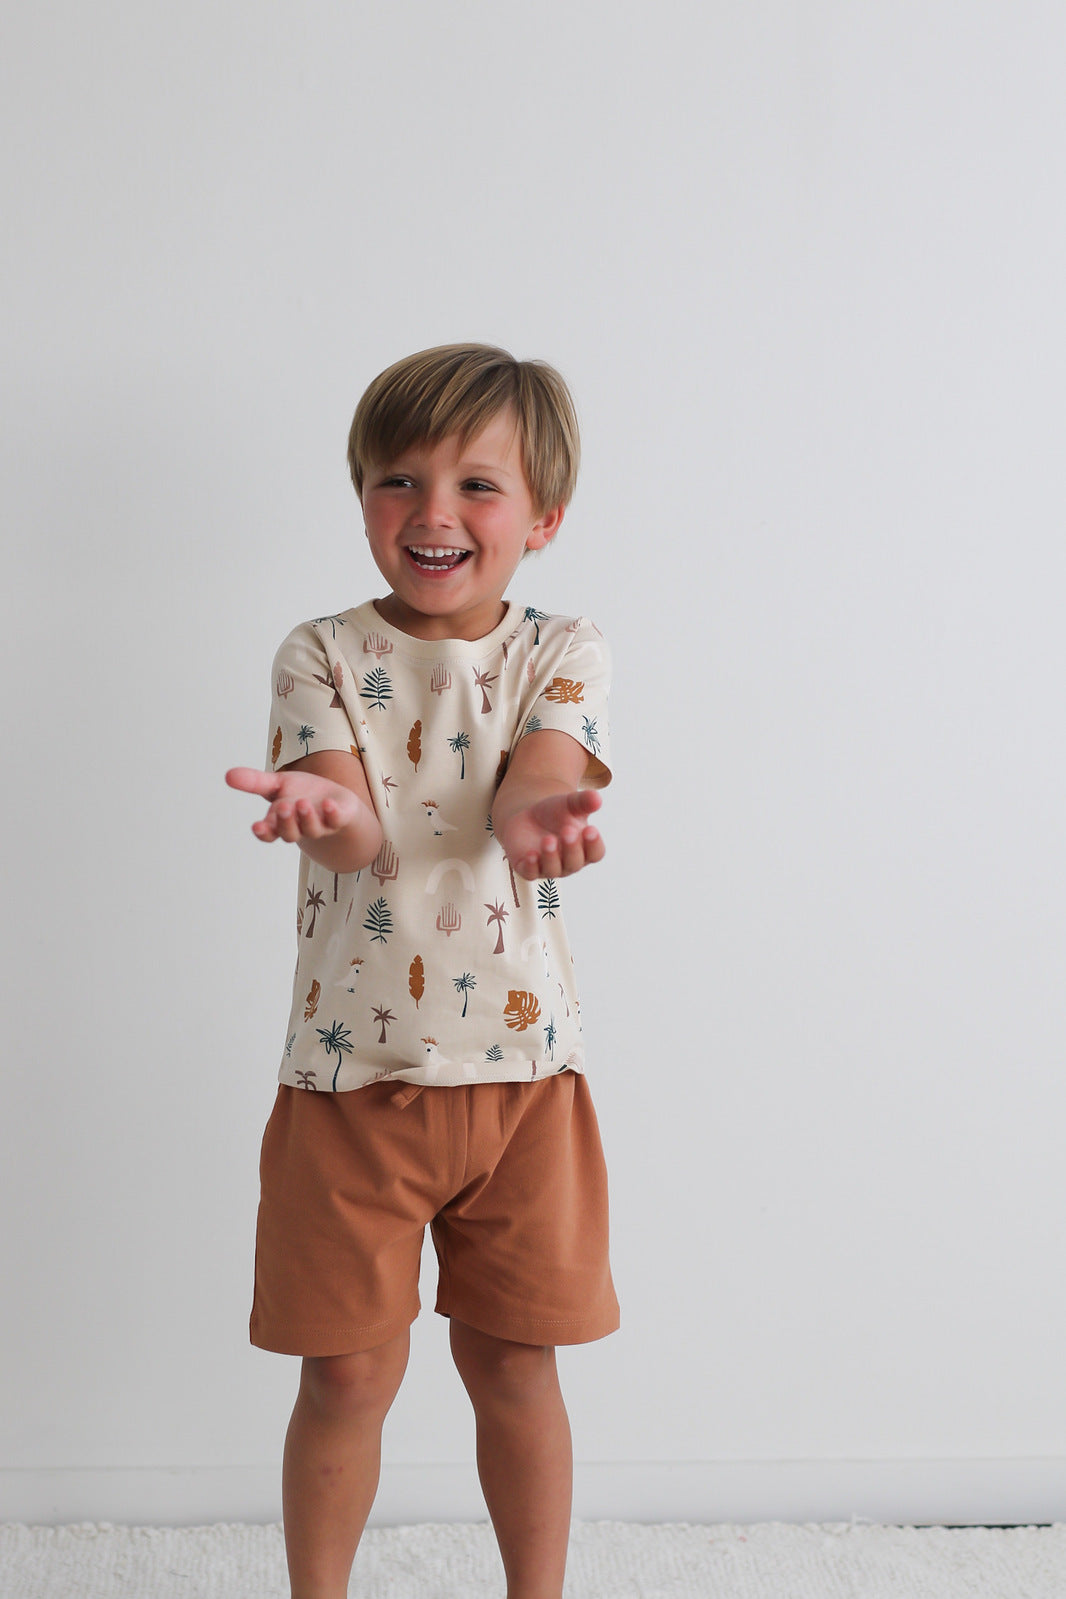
column 552, row 837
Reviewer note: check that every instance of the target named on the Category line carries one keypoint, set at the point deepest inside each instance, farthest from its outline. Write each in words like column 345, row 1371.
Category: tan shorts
column 509, row 1176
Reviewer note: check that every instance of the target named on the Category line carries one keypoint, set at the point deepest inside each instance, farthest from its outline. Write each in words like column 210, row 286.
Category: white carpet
column 608, row 1560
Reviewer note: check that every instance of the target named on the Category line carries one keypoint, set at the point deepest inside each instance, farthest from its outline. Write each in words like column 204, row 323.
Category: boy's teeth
column 436, row 553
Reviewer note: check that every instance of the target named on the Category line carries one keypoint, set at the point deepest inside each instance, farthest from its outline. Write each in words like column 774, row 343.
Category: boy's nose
column 434, row 510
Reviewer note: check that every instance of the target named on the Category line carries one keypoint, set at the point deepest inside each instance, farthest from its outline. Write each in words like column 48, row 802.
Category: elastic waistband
column 403, row 1096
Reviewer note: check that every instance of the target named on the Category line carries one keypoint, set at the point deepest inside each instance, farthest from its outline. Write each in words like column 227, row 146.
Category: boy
column 435, row 755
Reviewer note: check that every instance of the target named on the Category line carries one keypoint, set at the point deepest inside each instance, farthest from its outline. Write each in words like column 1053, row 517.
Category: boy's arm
column 320, row 802
column 540, row 814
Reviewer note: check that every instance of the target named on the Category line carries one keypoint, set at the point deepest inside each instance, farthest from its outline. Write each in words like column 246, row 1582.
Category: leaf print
column 338, row 674
column 416, row 979
column 311, row 1002
column 376, row 688
column 484, row 683
column 379, row 921
column 386, row 1018
column 548, row 898
column 275, row 749
column 534, row 724
column 497, row 913
column 564, row 691
column 460, row 744
column 414, row 745
column 494, row 1052
column 336, row 1037
column 305, row 735
column 522, row 1009
column 463, row 985
column 315, row 902
column 307, row 1080
column 591, row 736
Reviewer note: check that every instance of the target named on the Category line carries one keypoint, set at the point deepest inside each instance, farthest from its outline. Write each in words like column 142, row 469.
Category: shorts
column 510, row 1177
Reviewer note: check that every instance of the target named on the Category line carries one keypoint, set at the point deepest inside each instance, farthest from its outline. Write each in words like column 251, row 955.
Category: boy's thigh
column 523, row 1245
column 344, row 1203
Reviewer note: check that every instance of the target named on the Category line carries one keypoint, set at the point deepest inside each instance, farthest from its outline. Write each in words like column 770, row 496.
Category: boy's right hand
column 301, row 804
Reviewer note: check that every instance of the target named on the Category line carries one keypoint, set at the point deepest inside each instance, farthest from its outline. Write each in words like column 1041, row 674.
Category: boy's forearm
column 351, row 849
column 520, row 793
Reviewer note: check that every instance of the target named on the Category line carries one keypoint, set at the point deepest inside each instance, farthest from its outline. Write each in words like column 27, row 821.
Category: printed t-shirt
column 435, row 964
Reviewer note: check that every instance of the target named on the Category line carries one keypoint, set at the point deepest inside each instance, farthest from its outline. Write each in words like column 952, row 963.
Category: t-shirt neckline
column 370, row 620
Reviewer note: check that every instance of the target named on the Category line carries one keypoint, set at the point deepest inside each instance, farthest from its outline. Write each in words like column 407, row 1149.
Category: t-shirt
column 435, row 964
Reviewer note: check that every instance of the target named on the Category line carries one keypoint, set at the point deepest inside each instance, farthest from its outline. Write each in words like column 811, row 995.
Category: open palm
column 301, row 804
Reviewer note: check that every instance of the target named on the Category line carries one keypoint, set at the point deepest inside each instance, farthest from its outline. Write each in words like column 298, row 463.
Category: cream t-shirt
column 436, row 964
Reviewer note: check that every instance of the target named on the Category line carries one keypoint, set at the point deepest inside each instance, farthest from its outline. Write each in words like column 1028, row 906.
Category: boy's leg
column 332, row 1462
column 524, row 1455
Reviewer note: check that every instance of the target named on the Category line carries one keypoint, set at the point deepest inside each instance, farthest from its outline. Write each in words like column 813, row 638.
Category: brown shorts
column 509, row 1176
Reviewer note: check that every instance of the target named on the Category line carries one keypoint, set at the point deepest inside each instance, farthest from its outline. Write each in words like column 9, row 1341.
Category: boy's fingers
column 251, row 781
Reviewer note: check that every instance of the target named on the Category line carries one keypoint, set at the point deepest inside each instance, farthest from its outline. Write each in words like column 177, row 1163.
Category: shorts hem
column 542, row 1330
column 314, row 1341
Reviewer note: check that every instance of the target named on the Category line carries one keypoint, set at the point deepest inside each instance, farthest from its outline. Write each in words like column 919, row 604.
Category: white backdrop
column 802, row 264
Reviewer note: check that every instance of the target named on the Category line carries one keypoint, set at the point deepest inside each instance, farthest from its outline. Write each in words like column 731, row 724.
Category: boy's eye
column 395, row 481
column 476, row 483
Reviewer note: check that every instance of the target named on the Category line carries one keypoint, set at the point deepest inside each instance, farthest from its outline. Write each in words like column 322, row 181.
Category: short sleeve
column 307, row 712
column 573, row 698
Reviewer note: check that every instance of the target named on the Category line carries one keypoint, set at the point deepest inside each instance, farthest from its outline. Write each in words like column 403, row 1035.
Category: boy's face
column 447, row 528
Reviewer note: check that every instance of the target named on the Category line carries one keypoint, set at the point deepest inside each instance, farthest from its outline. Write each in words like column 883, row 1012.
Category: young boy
column 435, row 755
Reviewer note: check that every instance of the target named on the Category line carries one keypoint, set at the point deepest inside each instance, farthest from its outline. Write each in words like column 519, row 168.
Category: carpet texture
column 608, row 1560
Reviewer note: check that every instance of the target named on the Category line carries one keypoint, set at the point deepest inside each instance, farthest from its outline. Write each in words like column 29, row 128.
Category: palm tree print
column 315, row 902
column 334, row 621
column 536, row 617
column 376, row 688
column 460, row 744
column 305, row 735
column 337, row 1037
column 550, row 1036
column 330, row 682
column 463, row 985
column 548, row 898
column 592, row 737
column 385, row 1017
column 497, row 913
column 484, row 682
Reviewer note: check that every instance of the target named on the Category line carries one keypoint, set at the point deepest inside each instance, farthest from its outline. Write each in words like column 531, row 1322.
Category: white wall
column 803, row 266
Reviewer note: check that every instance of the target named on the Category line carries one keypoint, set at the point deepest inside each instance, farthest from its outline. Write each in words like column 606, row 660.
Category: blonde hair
column 458, row 389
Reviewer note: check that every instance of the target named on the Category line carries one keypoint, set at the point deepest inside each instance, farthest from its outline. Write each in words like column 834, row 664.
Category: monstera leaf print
column 522, row 1009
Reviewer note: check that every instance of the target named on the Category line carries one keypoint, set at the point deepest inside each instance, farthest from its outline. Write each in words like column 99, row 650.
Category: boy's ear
column 544, row 530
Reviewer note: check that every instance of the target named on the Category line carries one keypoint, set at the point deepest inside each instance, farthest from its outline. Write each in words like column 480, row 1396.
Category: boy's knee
column 356, row 1384
column 499, row 1368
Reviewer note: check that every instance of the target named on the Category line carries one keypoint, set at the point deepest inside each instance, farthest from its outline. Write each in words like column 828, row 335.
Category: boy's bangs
column 425, row 413
column 457, row 390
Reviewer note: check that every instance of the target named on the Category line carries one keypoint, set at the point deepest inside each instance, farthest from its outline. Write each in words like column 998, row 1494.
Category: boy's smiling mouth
column 436, row 557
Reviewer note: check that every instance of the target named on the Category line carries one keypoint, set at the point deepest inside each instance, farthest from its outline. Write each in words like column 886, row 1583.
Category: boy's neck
column 469, row 626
